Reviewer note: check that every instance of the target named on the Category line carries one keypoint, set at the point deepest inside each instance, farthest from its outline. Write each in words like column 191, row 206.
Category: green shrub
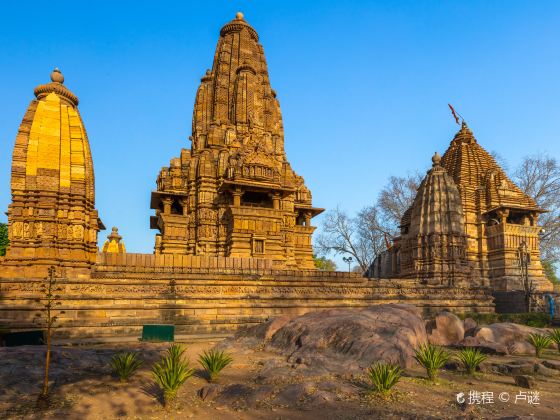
column 214, row 362
column 532, row 319
column 124, row 364
column 384, row 376
column 432, row 358
column 539, row 342
column 555, row 336
column 171, row 372
column 471, row 358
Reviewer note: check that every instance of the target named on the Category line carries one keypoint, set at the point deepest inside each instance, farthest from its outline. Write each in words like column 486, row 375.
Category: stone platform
column 211, row 295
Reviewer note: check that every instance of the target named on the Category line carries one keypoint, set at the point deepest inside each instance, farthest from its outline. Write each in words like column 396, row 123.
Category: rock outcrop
column 343, row 340
column 513, row 336
column 445, row 329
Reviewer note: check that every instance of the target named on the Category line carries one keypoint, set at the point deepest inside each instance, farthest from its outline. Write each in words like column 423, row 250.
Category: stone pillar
column 237, row 197
column 167, row 202
column 185, row 205
column 276, row 201
column 307, row 218
column 503, row 215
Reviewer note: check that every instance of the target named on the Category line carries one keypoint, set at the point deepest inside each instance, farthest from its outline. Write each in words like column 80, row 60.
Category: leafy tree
column 324, row 264
column 549, row 267
column 4, row 242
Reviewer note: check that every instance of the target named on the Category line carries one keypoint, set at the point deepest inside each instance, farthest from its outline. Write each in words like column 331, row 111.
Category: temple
column 234, row 220
column 52, row 219
column 234, row 193
column 114, row 243
column 468, row 224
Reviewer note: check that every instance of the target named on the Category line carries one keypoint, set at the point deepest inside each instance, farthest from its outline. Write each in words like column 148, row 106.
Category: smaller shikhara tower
column 52, row 219
column 234, row 193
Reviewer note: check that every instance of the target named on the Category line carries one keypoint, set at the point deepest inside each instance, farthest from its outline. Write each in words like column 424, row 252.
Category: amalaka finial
column 239, row 16
column 436, row 159
column 56, row 76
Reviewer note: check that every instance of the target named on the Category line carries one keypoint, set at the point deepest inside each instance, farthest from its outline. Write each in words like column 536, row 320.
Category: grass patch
column 471, row 358
column 171, row 372
column 432, row 358
column 539, row 342
column 213, row 362
column 384, row 376
column 124, row 364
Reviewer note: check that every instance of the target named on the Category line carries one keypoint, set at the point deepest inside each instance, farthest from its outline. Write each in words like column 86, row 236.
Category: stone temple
column 52, row 219
column 234, row 193
column 234, row 221
column 466, row 225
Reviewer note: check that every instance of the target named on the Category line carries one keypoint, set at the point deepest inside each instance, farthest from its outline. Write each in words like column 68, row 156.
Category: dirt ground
column 258, row 385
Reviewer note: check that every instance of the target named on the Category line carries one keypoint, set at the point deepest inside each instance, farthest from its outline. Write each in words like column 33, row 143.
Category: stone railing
column 201, row 264
column 511, row 235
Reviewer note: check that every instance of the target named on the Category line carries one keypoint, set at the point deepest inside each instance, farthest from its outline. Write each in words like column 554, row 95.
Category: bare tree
column 539, row 177
column 342, row 234
column 48, row 317
column 366, row 235
column 396, row 197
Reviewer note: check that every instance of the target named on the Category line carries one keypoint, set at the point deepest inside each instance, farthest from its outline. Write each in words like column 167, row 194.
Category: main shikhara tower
column 234, row 193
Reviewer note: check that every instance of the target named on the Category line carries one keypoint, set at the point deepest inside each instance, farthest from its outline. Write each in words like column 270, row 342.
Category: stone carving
column 235, row 110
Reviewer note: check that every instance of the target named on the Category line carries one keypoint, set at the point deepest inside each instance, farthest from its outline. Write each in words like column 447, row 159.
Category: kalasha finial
column 239, row 16
column 56, row 76
column 436, row 159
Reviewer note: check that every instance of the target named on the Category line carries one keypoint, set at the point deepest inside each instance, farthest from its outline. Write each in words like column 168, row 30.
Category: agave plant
column 432, row 358
column 384, row 376
column 171, row 372
column 539, row 342
column 555, row 336
column 471, row 358
column 124, row 364
column 214, row 362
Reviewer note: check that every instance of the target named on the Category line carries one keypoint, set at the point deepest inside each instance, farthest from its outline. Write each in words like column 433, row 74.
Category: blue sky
column 363, row 86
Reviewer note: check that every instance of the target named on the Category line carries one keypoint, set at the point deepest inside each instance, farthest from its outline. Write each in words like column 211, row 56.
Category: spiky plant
column 384, row 376
column 214, row 362
column 555, row 336
column 124, row 364
column 432, row 358
column 539, row 342
column 171, row 372
column 471, row 358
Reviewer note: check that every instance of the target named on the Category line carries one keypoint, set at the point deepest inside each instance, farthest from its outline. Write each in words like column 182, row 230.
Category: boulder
column 469, row 325
column 350, row 339
column 484, row 346
column 513, row 336
column 445, row 329
column 525, row 381
column 267, row 329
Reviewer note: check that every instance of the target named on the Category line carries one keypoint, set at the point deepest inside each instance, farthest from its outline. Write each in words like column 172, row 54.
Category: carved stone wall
column 121, row 297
